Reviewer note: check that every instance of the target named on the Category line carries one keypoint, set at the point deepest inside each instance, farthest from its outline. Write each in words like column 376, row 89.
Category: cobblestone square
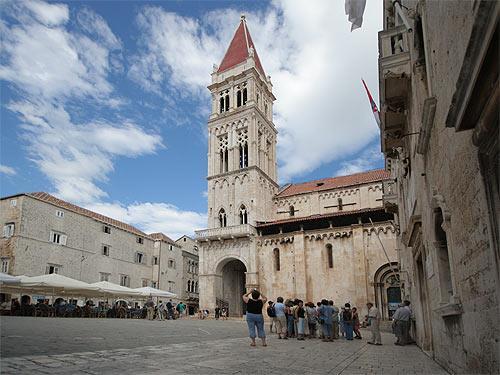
column 127, row 346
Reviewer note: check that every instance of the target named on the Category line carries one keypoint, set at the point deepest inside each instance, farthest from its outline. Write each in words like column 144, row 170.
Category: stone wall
column 459, row 328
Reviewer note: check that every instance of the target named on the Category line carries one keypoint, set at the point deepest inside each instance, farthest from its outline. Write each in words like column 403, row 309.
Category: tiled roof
column 45, row 197
column 162, row 237
column 238, row 50
column 334, row 182
column 318, row 216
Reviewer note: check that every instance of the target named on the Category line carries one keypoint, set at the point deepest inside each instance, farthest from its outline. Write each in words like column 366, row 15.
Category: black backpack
column 347, row 315
column 271, row 312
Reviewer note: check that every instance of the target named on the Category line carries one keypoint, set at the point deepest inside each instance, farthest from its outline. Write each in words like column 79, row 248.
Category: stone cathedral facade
column 330, row 238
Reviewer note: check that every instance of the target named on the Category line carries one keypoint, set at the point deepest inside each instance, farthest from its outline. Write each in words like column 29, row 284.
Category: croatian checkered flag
column 372, row 103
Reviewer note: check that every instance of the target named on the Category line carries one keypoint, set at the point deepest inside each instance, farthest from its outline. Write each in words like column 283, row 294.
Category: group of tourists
column 324, row 320
column 164, row 310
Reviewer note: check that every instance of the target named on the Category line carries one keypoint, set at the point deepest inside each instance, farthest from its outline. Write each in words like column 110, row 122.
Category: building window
column 58, row 238
column 105, row 250
column 8, row 230
column 238, row 98
column 444, row 267
column 170, row 247
column 140, row 240
column 276, row 255
column 106, row 229
column 104, row 276
column 154, row 284
column 222, row 218
column 292, row 211
column 171, row 263
column 243, row 148
column 52, row 268
column 245, row 96
column 227, row 102
column 221, row 109
column 184, row 239
column 5, row 265
column 155, row 261
column 60, row 213
column 125, row 280
column 139, row 257
column 243, row 215
column 171, row 286
column 196, row 287
column 13, row 202
column 189, row 286
column 145, row 283
column 329, row 255
column 340, row 206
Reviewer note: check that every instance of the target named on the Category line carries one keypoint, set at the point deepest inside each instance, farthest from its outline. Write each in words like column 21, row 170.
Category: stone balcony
column 395, row 79
column 235, row 231
column 390, row 196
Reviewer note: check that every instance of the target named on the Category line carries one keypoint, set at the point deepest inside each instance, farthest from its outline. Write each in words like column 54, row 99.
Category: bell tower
column 241, row 137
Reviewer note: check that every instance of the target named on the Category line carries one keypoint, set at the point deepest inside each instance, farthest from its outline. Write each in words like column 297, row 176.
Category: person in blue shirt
column 325, row 313
column 279, row 308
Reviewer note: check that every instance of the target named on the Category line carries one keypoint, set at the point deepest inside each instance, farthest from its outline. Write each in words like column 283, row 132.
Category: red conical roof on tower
column 239, row 49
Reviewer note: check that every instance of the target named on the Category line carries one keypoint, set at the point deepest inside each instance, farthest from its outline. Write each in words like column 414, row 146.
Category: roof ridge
column 51, row 199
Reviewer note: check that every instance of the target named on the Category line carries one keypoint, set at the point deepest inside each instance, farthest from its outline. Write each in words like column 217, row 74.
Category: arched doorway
column 233, row 283
column 387, row 289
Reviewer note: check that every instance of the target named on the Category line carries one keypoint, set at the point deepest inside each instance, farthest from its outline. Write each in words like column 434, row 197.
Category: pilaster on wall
column 360, row 268
column 300, row 266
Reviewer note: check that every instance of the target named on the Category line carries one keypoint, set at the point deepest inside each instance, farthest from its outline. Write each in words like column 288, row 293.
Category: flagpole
column 383, row 248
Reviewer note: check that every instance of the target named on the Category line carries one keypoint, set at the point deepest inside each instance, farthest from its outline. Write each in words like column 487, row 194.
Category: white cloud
column 48, row 14
column 316, row 65
column 9, row 171
column 61, row 75
column 155, row 217
column 370, row 158
column 95, row 25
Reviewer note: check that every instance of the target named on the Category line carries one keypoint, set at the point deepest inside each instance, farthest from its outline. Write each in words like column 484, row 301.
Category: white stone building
column 312, row 240
column 43, row 234
column 190, row 259
column 439, row 94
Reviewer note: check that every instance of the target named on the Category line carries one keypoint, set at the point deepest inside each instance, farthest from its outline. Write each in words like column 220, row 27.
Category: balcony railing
column 394, row 74
column 390, row 196
column 235, row 231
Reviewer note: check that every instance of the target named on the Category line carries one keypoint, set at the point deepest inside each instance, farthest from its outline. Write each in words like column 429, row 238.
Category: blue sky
column 104, row 104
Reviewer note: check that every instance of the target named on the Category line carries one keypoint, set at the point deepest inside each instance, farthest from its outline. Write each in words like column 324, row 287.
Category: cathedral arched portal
column 387, row 289
column 232, row 280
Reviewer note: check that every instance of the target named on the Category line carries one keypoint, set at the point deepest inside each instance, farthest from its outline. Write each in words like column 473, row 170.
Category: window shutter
column 63, row 239
column 5, row 230
column 51, row 237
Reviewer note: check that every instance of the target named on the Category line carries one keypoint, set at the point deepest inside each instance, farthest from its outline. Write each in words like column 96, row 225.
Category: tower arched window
column 243, row 148
column 196, row 287
column 189, row 286
column 227, row 103
column 340, row 206
column 222, row 218
column 244, row 155
column 276, row 256
column 329, row 255
column 291, row 210
column 243, row 215
column 238, row 98
column 244, row 96
column 222, row 106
